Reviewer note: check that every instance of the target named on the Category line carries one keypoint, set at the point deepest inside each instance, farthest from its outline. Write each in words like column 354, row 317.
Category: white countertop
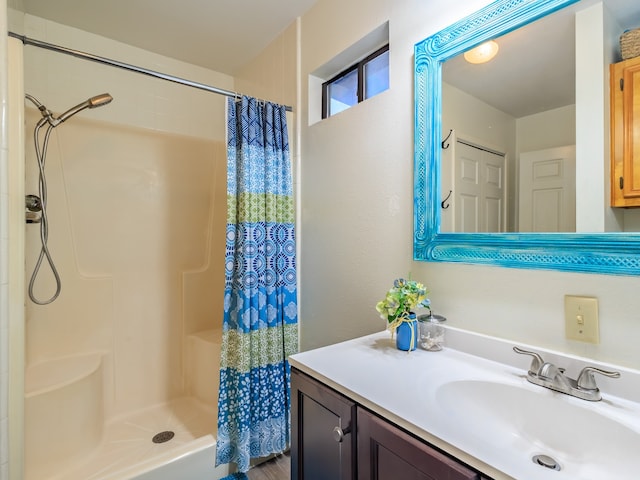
column 405, row 388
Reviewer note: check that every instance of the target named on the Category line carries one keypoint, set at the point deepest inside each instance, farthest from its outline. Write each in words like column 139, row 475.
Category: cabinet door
column 387, row 453
column 322, row 445
column 625, row 133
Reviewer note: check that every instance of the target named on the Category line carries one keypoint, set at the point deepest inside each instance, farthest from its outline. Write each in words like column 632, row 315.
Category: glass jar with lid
column 431, row 331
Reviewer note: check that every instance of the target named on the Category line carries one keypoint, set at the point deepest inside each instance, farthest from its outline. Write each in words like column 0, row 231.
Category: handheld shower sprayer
column 41, row 155
column 93, row 102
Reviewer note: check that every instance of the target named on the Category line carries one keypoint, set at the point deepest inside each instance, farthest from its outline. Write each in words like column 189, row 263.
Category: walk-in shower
column 39, row 203
column 130, row 350
column 120, row 375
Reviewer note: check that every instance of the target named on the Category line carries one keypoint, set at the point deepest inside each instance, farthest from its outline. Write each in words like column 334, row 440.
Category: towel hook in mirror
column 444, row 147
column 442, row 204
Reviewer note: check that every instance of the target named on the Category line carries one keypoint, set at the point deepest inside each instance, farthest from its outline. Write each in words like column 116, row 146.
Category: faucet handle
column 586, row 380
column 536, row 362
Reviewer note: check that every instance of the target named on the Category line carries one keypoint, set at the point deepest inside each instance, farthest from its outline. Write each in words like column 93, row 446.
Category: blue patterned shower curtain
column 260, row 326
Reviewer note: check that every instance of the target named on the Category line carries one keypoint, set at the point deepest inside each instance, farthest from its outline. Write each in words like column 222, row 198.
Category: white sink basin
column 581, row 436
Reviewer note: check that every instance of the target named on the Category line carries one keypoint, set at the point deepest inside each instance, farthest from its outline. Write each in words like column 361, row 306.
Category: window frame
column 359, row 66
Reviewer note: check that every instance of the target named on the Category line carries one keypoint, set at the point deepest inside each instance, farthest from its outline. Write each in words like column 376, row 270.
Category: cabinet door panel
column 631, row 99
column 387, row 453
column 316, row 452
column 625, row 134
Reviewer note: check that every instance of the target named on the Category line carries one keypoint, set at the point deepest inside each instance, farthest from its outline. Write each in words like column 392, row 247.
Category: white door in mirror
column 548, row 190
column 479, row 198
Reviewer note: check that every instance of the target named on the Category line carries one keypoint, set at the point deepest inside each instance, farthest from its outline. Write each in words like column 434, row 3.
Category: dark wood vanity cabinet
column 371, row 448
column 625, row 133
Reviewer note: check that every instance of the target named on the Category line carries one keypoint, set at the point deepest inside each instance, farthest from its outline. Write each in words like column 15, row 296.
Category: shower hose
column 41, row 155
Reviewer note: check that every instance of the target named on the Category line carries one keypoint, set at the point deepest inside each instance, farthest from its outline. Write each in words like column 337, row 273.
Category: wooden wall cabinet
column 371, row 449
column 625, row 133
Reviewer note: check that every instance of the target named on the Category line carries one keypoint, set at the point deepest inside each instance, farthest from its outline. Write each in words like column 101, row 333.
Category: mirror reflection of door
column 547, row 200
column 479, row 192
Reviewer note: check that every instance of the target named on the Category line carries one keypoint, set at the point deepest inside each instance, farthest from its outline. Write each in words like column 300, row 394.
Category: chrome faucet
column 547, row 375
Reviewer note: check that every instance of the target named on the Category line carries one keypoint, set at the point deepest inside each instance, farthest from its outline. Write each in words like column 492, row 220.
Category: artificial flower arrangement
column 400, row 301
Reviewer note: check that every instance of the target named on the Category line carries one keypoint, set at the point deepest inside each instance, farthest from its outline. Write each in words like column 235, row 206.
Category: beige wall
column 553, row 128
column 356, row 169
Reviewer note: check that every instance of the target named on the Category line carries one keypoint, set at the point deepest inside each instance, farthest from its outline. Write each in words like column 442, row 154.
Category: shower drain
column 546, row 461
column 163, row 436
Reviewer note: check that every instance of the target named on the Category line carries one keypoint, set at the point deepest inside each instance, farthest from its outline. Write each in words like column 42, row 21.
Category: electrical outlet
column 581, row 318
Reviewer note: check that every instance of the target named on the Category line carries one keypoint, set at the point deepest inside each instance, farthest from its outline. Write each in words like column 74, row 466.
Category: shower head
column 100, row 100
column 93, row 102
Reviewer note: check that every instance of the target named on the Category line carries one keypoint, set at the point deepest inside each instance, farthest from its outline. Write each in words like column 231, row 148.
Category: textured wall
column 132, row 214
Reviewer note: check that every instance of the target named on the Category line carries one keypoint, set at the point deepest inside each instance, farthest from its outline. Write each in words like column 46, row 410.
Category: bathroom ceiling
column 221, row 35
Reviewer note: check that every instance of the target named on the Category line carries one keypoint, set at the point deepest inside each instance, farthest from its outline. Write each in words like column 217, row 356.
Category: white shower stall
column 121, row 370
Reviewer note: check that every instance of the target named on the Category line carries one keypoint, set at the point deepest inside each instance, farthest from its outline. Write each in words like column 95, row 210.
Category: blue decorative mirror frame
column 610, row 253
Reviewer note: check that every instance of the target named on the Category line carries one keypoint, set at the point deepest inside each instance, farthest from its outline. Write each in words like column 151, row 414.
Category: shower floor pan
column 128, row 449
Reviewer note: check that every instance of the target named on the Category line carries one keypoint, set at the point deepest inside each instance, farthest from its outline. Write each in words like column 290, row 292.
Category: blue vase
column 404, row 336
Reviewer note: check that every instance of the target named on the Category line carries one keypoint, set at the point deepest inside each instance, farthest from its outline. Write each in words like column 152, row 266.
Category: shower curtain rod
column 125, row 66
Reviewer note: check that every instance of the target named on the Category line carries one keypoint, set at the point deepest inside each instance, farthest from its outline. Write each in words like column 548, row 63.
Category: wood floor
column 278, row 468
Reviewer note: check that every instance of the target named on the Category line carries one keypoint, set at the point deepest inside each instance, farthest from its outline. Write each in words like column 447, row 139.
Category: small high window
column 363, row 80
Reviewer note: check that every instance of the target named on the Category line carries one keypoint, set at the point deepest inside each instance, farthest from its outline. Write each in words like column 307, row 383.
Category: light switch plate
column 581, row 318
